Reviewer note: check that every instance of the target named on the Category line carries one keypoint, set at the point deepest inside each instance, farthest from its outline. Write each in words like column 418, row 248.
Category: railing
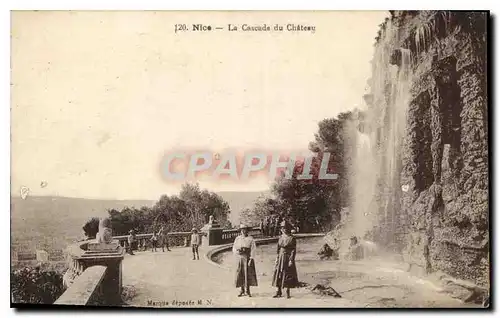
column 143, row 240
column 93, row 277
column 87, row 290
column 181, row 238
column 228, row 236
column 76, row 265
column 212, row 254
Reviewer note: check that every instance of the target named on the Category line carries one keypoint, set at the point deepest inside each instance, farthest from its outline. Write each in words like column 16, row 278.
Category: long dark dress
column 286, row 276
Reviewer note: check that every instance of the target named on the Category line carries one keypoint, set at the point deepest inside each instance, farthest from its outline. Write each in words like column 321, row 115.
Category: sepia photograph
column 250, row 159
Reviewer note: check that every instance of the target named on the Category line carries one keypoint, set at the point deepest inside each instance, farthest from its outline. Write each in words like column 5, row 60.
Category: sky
column 98, row 98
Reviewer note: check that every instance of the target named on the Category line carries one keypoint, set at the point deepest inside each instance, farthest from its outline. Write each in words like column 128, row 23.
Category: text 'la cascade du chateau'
column 290, row 27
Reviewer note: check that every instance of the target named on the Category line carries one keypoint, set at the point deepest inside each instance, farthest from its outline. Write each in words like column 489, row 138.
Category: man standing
column 163, row 237
column 265, row 226
column 154, row 242
column 131, row 242
column 195, row 243
column 277, row 226
column 269, row 225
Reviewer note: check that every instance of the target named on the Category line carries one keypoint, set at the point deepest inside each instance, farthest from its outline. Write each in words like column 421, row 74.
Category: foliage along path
column 174, row 279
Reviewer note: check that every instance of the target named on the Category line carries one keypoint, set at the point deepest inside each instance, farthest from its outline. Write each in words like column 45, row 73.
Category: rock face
column 439, row 221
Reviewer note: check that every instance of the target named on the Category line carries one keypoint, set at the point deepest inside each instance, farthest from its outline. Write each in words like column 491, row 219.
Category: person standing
column 131, row 242
column 296, row 226
column 285, row 271
column 355, row 252
column 163, row 239
column 277, row 227
column 244, row 251
column 154, row 242
column 195, row 243
column 266, row 226
column 270, row 228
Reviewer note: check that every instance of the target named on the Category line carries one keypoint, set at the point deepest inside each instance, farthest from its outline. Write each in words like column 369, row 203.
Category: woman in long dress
column 244, row 252
column 285, row 271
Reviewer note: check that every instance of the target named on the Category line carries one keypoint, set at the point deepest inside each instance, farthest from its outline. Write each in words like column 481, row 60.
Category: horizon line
column 113, row 199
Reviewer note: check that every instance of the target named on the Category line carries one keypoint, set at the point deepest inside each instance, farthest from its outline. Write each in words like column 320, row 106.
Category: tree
column 202, row 204
column 305, row 200
column 191, row 208
column 332, row 137
column 172, row 212
column 91, row 228
column 130, row 219
column 262, row 207
column 316, row 203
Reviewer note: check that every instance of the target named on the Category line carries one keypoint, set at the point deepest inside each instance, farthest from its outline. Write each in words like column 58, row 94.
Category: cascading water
column 376, row 149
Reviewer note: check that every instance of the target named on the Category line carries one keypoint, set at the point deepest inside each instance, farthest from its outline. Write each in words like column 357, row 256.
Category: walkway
column 173, row 279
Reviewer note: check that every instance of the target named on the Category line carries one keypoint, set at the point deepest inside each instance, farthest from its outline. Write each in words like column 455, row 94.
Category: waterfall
column 376, row 152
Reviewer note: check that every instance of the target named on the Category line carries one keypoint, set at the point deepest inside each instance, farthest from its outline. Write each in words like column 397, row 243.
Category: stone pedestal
column 212, row 234
column 96, row 247
column 111, row 256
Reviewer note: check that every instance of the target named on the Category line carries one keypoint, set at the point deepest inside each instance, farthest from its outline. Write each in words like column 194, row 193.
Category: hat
column 131, row 231
column 194, row 229
column 243, row 226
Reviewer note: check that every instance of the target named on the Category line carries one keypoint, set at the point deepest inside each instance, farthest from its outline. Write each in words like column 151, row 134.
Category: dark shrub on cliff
column 91, row 228
column 34, row 286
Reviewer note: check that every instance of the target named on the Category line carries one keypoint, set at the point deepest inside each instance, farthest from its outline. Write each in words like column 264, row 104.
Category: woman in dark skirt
column 285, row 271
column 244, row 251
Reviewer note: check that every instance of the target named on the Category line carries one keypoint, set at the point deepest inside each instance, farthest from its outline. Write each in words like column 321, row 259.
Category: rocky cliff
column 428, row 112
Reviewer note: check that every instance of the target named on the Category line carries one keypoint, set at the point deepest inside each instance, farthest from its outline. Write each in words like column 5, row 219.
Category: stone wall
column 444, row 161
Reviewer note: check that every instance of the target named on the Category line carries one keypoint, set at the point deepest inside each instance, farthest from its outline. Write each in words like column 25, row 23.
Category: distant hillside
column 51, row 223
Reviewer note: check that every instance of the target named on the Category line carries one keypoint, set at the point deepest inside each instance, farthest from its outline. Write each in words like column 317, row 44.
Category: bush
column 91, row 228
column 34, row 286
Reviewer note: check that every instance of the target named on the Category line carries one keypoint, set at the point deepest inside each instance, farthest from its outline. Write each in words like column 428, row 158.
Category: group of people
column 355, row 250
column 285, row 271
column 159, row 239
column 271, row 225
column 244, row 248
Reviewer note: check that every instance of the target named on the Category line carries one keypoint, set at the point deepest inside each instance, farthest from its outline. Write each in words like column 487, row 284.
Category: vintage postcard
column 250, row 159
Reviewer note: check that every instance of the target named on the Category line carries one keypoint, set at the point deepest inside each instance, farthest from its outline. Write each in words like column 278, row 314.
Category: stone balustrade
column 94, row 276
column 143, row 240
column 85, row 281
column 86, row 290
column 212, row 253
column 228, row 236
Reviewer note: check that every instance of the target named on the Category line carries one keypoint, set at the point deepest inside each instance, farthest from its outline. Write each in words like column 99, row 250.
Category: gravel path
column 173, row 279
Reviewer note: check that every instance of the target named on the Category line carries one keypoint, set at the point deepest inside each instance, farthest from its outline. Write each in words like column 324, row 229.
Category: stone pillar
column 212, row 234
column 112, row 282
column 111, row 256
